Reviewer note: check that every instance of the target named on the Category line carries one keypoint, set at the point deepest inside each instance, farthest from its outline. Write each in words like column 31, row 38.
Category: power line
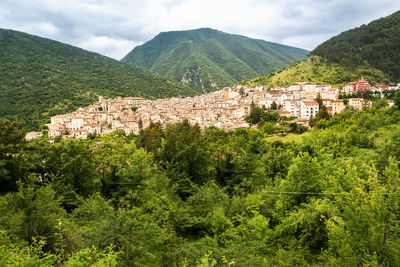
column 317, row 193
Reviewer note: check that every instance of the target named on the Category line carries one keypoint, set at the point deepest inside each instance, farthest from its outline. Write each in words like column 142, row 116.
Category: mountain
column 376, row 44
column 316, row 70
column 207, row 59
column 371, row 51
column 40, row 78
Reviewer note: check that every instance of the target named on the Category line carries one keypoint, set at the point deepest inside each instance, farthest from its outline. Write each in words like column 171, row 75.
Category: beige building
column 356, row 103
column 337, row 106
column 33, row 135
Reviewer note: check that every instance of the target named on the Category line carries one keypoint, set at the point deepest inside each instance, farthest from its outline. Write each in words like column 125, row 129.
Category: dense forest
column 208, row 60
column 183, row 196
column 375, row 44
column 40, row 78
column 370, row 51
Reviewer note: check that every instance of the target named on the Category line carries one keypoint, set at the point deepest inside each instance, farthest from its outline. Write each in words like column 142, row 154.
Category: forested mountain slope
column 207, row 59
column 40, row 78
column 371, row 51
column 376, row 44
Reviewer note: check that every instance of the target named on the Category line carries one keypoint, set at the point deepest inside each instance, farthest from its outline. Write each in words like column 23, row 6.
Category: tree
column 360, row 233
column 255, row 114
column 184, row 154
column 380, row 103
column 242, row 92
column 319, row 100
column 304, row 176
column 151, row 138
column 72, row 170
column 269, row 128
column 396, row 99
column 31, row 212
column 12, row 163
column 269, row 116
column 298, row 129
column 93, row 257
column 322, row 116
column 134, row 233
column 274, row 106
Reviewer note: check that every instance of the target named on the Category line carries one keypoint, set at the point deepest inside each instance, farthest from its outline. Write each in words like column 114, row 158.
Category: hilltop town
column 226, row 108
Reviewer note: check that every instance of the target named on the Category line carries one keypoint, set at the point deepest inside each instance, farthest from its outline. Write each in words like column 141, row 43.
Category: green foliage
column 72, row 169
column 42, row 78
column 298, row 129
column 274, row 106
column 11, row 162
column 304, row 175
column 151, row 137
column 206, row 59
column 32, row 255
column 322, row 116
column 314, row 69
column 185, row 156
column 259, row 115
column 168, row 197
column 32, row 212
column 93, row 257
column 370, row 45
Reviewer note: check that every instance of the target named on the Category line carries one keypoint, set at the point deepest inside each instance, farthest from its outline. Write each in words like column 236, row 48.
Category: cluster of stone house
column 132, row 114
column 226, row 108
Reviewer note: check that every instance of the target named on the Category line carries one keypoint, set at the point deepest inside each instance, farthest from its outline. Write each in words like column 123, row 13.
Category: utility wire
column 315, row 193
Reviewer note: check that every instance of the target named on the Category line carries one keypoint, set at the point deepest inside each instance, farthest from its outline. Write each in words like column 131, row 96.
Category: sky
column 114, row 27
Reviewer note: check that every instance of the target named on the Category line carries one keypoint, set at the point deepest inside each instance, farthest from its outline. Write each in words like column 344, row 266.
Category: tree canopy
column 185, row 196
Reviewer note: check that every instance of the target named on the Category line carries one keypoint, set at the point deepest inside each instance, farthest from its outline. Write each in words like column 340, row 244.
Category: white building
column 76, row 123
column 356, row 103
column 293, row 106
column 308, row 109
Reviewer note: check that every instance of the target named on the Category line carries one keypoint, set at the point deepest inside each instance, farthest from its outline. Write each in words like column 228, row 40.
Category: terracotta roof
column 310, row 102
column 134, row 98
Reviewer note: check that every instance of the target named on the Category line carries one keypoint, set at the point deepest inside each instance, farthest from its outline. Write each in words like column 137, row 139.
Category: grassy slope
column 207, row 56
column 315, row 70
column 40, row 78
column 375, row 44
column 371, row 51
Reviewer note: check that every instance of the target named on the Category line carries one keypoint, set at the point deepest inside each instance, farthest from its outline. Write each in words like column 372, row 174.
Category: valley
column 199, row 148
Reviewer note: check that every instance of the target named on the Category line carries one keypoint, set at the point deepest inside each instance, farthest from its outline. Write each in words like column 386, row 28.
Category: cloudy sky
column 114, row 27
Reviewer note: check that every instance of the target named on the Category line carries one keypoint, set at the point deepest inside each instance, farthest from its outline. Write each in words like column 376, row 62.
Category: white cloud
column 42, row 28
column 110, row 27
column 114, row 48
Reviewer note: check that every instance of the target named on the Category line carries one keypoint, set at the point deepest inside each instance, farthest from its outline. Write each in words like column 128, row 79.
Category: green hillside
column 40, row 78
column 207, row 59
column 371, row 51
column 316, row 70
column 376, row 44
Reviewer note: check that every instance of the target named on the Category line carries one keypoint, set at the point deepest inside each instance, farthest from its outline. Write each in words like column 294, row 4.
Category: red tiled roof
column 134, row 98
column 310, row 102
